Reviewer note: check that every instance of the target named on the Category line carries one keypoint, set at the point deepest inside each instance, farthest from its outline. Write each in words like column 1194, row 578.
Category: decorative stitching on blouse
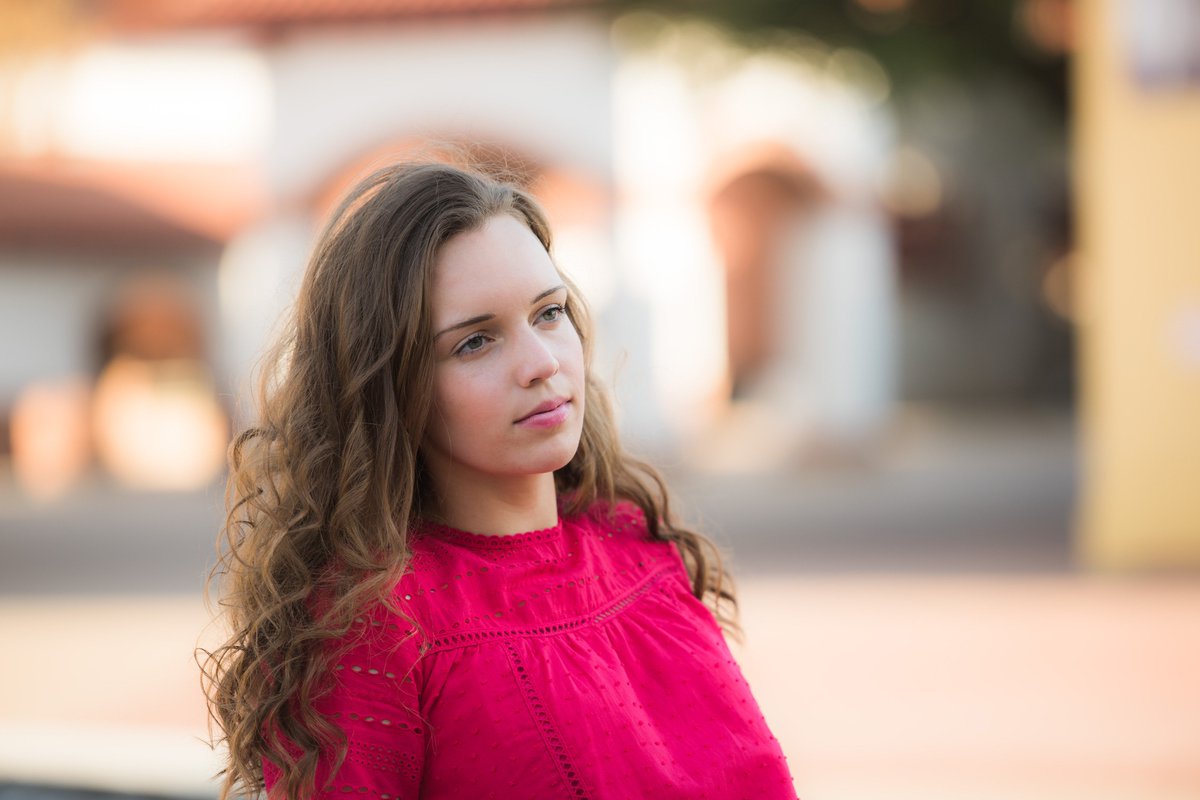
column 464, row 638
column 620, row 522
column 341, row 790
column 382, row 758
column 621, row 605
column 541, row 716
column 491, row 542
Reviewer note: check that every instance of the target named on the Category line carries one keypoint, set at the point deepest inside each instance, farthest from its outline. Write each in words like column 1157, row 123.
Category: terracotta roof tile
column 66, row 202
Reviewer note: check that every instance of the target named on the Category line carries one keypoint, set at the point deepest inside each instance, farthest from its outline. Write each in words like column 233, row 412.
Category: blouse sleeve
column 375, row 701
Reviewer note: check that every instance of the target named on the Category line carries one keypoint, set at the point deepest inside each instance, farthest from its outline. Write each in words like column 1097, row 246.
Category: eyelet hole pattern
column 464, row 638
column 384, row 759
column 541, row 714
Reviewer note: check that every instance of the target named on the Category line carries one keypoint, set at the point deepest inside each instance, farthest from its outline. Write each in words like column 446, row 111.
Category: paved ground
column 976, row 493
column 915, row 628
column 980, row 688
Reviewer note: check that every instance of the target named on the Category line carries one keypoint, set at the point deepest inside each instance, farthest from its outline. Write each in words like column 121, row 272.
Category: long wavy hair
column 322, row 491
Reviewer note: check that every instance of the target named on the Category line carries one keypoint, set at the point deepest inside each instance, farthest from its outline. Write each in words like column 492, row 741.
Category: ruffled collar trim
column 491, row 541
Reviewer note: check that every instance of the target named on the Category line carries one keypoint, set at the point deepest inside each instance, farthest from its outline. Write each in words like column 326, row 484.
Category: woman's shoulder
column 622, row 526
column 627, row 541
column 619, row 518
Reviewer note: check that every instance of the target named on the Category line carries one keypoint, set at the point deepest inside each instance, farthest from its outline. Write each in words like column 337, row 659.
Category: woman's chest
column 644, row 701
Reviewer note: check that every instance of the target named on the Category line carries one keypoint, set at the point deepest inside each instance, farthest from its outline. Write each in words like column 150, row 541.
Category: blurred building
column 163, row 175
column 780, row 248
column 1138, row 83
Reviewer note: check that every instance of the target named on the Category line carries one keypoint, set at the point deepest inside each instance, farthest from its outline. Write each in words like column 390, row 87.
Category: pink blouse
column 571, row 662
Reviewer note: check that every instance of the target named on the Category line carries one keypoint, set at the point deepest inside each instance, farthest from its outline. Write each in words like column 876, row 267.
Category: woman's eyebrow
column 547, row 293
column 466, row 323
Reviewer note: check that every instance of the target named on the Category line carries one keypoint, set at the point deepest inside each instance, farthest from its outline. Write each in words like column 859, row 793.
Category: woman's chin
column 554, row 459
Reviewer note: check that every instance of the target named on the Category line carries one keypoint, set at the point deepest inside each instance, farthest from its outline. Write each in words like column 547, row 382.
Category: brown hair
column 321, row 493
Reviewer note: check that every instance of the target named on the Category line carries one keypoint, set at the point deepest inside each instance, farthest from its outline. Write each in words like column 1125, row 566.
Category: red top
column 570, row 662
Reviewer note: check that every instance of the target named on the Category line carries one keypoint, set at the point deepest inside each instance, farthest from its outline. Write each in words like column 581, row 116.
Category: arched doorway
column 759, row 198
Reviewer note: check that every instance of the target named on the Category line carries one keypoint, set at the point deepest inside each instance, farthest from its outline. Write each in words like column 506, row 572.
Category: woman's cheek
column 570, row 349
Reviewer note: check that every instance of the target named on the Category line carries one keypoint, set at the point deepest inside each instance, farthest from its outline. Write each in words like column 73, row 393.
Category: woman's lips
column 547, row 419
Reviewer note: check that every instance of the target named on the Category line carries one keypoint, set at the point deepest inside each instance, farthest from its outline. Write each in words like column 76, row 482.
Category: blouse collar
column 491, row 541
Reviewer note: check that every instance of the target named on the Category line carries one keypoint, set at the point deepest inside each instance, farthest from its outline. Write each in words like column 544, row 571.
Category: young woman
column 443, row 577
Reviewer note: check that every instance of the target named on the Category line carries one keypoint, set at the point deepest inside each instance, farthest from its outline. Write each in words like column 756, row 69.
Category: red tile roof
column 129, row 206
column 159, row 14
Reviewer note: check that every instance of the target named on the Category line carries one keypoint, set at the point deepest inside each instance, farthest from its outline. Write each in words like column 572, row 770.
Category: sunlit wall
column 1138, row 136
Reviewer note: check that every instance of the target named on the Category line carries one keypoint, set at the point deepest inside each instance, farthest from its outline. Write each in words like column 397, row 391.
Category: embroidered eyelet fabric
column 570, row 662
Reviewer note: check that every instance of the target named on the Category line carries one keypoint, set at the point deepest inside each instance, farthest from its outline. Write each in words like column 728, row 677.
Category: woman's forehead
column 497, row 262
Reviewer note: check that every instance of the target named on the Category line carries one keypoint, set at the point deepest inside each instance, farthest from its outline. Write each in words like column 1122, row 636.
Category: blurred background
column 903, row 295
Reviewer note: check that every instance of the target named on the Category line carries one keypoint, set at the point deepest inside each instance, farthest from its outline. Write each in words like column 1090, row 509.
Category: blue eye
column 552, row 313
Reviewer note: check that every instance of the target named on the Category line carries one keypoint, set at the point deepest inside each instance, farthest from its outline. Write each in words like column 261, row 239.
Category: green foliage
column 964, row 40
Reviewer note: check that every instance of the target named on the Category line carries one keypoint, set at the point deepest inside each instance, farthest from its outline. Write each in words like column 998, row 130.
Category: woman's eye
column 472, row 344
column 552, row 313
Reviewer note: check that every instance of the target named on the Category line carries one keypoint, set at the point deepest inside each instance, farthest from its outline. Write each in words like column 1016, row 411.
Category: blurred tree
column 1023, row 40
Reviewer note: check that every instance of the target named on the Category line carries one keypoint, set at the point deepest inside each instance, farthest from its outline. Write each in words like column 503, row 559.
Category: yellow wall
column 1138, row 189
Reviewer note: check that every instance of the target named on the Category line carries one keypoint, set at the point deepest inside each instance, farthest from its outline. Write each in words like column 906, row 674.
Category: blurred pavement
column 939, row 492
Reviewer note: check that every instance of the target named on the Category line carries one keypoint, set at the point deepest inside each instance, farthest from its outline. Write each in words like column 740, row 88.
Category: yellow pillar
column 1138, row 188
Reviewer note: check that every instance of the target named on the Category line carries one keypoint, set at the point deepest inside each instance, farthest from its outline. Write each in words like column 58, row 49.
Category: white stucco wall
column 684, row 107
column 537, row 83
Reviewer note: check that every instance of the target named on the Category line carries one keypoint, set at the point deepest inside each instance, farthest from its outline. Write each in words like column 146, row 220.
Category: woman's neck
column 500, row 506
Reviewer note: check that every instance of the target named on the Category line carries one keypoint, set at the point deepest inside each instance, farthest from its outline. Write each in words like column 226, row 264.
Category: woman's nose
column 537, row 361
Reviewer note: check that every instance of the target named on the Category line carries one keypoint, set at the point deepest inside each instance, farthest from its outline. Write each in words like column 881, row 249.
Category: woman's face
column 509, row 376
